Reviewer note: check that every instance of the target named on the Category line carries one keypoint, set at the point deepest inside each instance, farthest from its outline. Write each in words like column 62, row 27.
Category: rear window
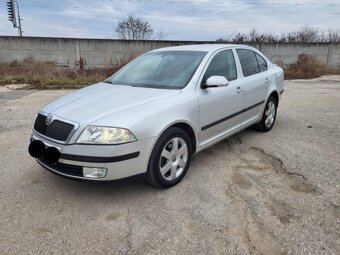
column 262, row 63
column 248, row 62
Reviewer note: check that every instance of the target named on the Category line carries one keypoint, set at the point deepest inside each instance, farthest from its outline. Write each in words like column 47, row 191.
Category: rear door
column 255, row 83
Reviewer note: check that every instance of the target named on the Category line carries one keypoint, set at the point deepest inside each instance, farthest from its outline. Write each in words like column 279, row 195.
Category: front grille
column 64, row 168
column 58, row 130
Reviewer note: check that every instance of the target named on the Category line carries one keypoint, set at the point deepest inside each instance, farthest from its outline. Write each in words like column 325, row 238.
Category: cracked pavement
column 254, row 193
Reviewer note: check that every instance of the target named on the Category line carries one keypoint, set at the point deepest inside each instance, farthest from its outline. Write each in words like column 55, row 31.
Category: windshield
column 161, row 69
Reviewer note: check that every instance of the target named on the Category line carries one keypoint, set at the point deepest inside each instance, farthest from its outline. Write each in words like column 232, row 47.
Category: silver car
column 155, row 113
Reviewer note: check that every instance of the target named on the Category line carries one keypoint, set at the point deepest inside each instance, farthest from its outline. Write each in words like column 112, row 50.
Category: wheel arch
column 189, row 130
column 187, row 127
column 275, row 95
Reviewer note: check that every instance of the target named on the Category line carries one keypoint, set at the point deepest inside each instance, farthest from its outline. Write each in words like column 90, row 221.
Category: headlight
column 105, row 135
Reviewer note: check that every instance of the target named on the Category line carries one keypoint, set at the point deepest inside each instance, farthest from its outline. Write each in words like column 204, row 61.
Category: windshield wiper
column 119, row 83
column 110, row 82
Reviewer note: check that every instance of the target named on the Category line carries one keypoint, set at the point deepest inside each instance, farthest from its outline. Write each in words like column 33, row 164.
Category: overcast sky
column 181, row 19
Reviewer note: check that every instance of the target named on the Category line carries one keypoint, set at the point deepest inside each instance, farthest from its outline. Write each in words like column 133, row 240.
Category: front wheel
column 269, row 116
column 170, row 158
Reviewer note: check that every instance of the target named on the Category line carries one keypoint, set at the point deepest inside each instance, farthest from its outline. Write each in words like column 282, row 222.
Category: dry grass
column 42, row 74
column 307, row 67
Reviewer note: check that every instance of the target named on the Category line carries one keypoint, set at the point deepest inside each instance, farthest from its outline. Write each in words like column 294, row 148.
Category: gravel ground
column 254, row 193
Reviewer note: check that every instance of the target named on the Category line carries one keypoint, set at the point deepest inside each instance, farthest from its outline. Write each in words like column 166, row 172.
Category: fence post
column 330, row 47
column 77, row 58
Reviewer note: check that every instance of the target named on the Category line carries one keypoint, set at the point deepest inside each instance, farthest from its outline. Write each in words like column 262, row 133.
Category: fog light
column 94, row 172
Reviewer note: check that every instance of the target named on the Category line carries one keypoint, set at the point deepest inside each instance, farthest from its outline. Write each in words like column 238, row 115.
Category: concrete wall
column 105, row 52
column 288, row 52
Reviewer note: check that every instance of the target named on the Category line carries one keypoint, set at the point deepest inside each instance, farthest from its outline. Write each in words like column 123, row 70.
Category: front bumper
column 121, row 161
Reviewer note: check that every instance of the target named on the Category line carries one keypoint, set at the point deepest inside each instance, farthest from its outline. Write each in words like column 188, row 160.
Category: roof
column 199, row 47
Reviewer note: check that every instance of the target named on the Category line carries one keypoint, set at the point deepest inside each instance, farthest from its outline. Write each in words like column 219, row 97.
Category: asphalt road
column 254, row 193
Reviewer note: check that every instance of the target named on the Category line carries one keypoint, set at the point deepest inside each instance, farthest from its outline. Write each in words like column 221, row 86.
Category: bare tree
column 134, row 28
column 269, row 37
column 253, row 35
column 307, row 34
column 161, row 35
column 304, row 34
column 240, row 38
column 330, row 36
column 311, row 34
column 282, row 38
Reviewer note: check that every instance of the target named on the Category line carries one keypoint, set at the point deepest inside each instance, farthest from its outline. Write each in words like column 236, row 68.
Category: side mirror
column 216, row 81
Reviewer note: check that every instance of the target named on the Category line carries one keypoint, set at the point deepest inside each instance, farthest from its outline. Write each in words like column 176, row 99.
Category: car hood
column 97, row 101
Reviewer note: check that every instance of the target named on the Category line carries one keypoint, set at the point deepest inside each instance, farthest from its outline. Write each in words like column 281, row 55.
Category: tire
column 269, row 116
column 169, row 163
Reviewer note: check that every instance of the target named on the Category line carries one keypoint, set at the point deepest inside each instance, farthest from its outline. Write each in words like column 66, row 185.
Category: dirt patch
column 336, row 210
column 7, row 95
column 300, row 184
column 283, row 211
column 43, row 231
column 297, row 182
column 112, row 216
column 241, row 181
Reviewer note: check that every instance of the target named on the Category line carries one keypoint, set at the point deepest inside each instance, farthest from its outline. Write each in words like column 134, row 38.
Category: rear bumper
column 121, row 161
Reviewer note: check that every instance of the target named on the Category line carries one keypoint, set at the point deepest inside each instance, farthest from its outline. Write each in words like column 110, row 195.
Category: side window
column 262, row 63
column 223, row 64
column 248, row 62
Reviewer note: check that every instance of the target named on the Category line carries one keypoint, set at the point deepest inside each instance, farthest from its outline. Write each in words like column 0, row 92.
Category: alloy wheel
column 173, row 159
column 270, row 114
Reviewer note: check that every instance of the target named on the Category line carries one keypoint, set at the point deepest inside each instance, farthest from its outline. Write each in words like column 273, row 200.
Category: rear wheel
column 170, row 158
column 269, row 116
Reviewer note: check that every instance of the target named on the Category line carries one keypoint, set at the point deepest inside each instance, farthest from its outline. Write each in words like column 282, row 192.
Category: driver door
column 220, row 107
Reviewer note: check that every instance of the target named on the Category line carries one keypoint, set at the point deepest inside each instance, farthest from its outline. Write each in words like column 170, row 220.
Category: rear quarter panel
column 278, row 80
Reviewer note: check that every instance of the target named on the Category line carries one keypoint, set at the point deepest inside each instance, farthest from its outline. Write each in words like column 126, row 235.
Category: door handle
column 267, row 81
column 239, row 90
